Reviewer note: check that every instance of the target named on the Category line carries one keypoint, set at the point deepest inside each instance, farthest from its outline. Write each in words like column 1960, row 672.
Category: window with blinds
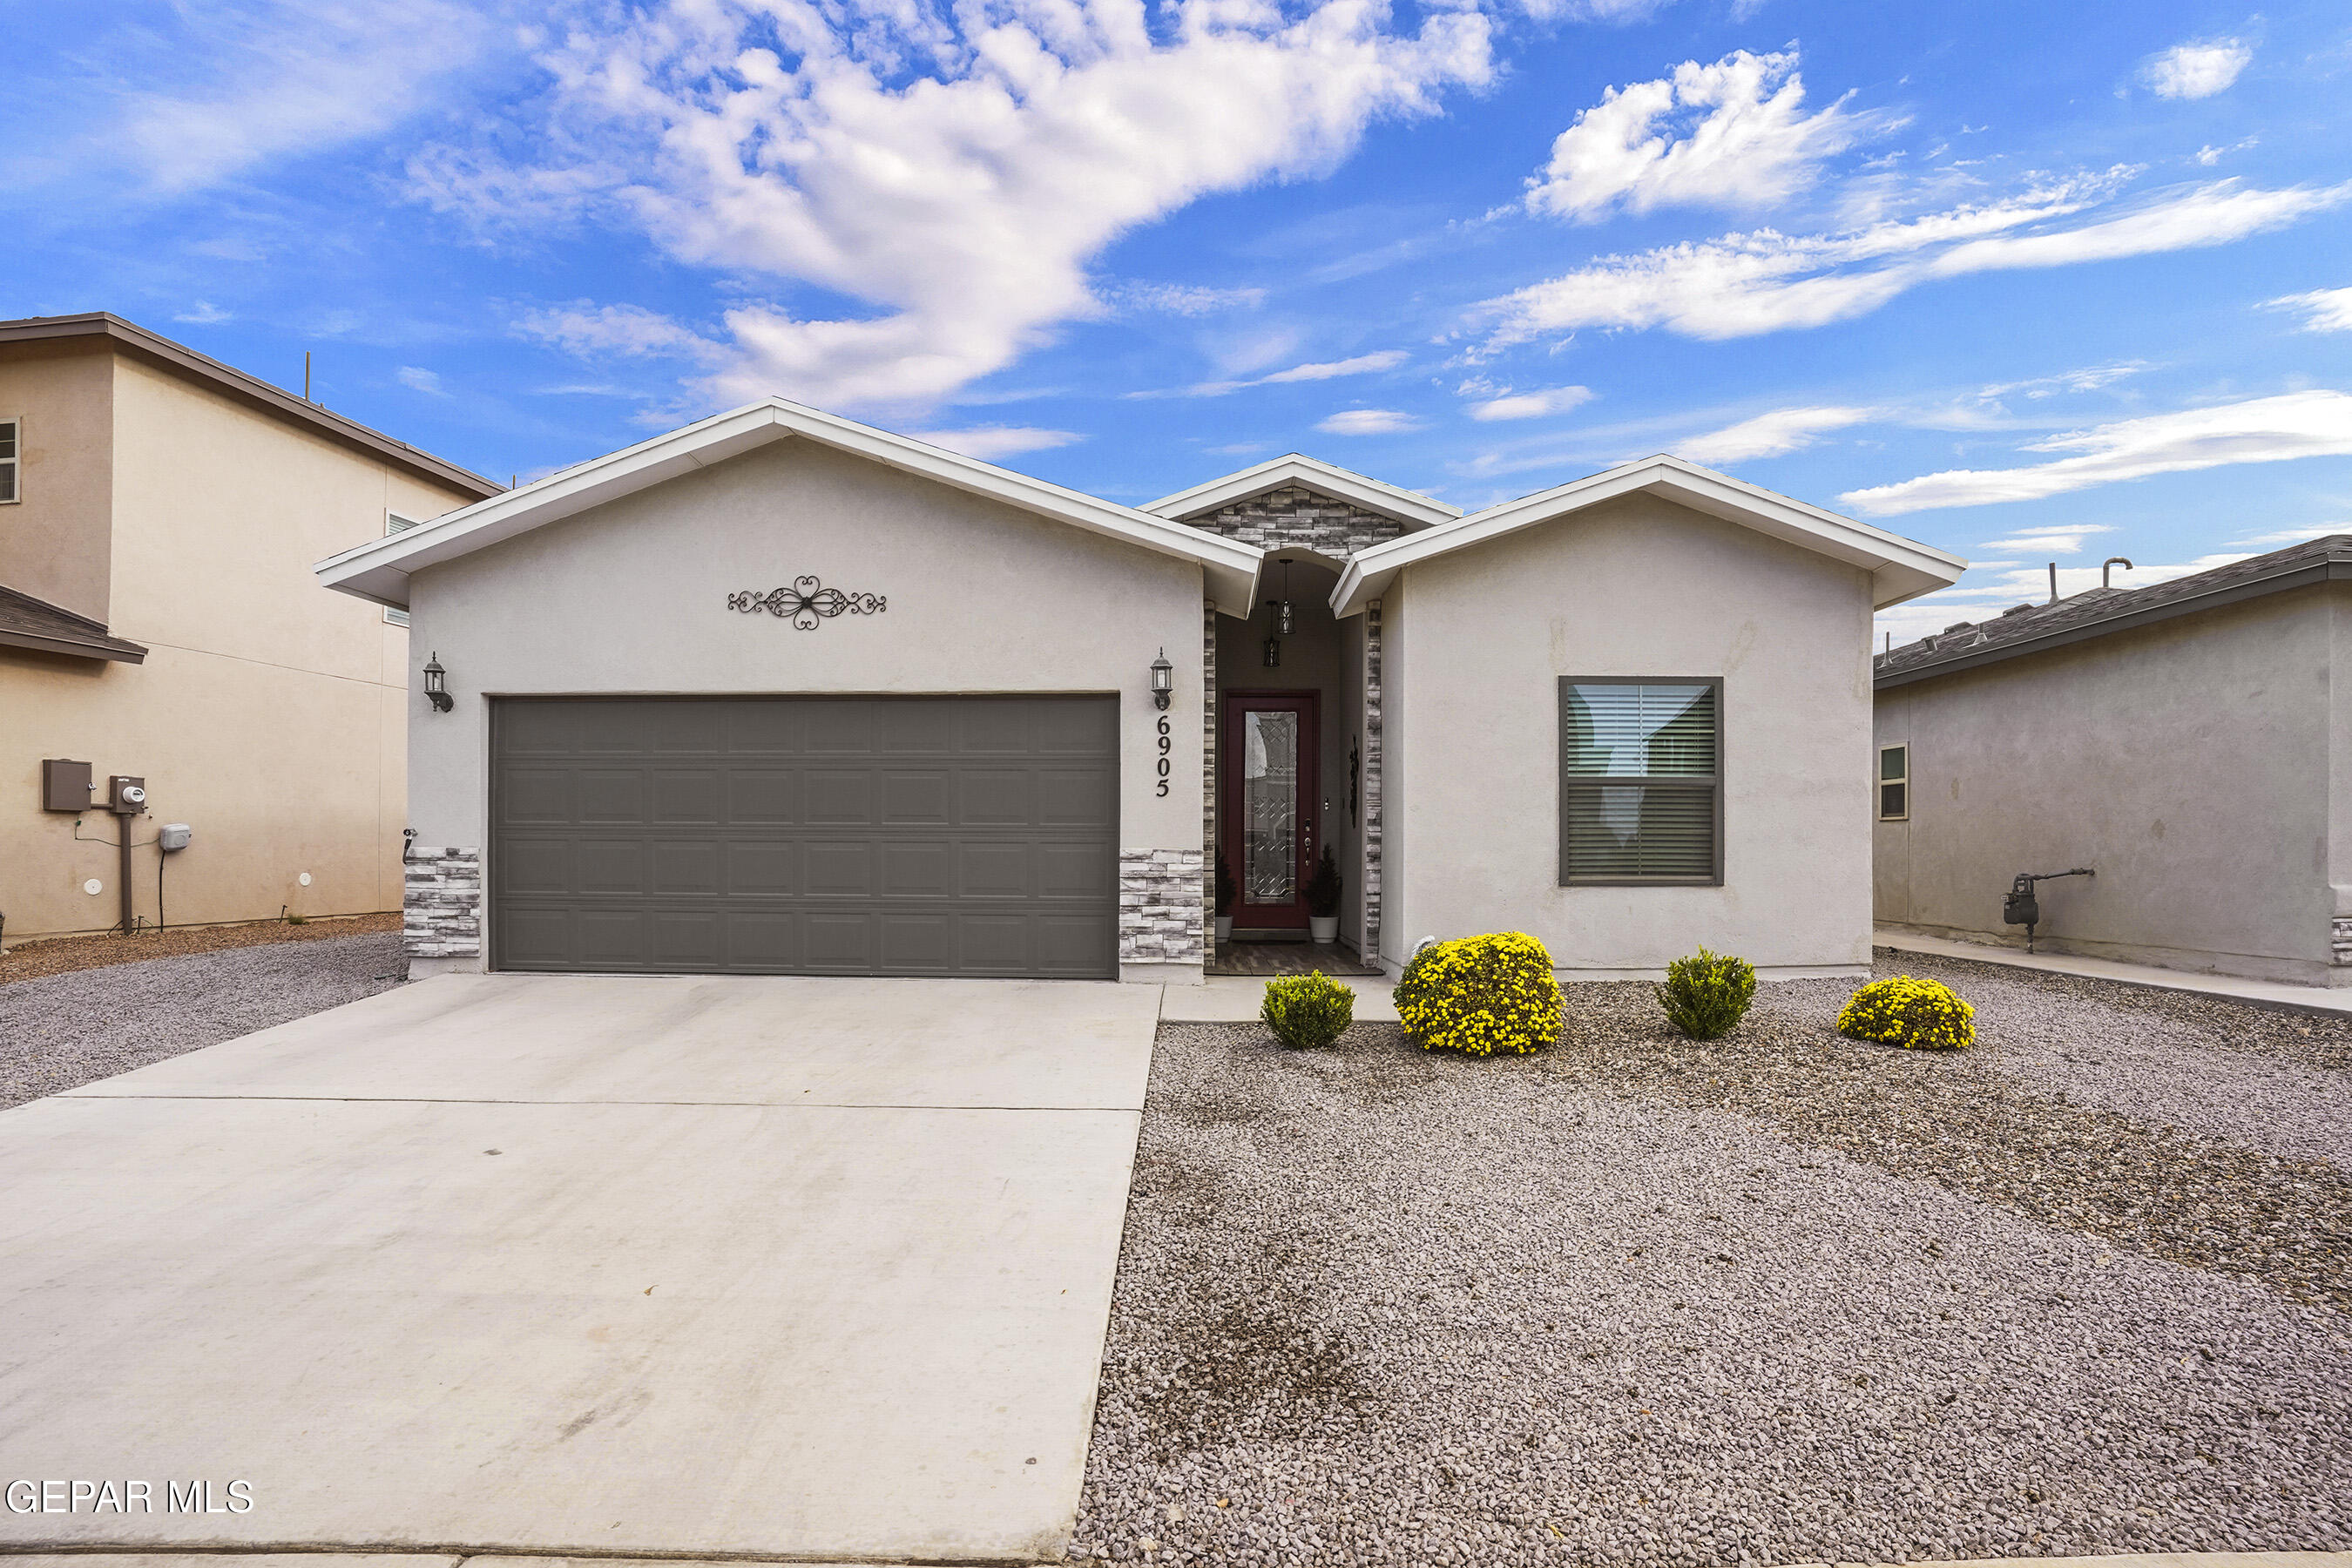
column 11, row 459
column 1894, row 784
column 1640, row 780
column 395, row 523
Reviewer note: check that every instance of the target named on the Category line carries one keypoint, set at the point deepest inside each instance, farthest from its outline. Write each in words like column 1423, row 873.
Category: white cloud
column 1368, row 421
column 990, row 442
column 1363, row 364
column 1328, row 370
column 1989, row 588
column 1180, row 299
column 2263, row 430
column 205, row 314
column 2088, row 379
column 630, row 331
column 1773, row 435
column 276, row 79
column 2286, row 536
column 2060, row 541
column 2208, row 155
column 1762, row 281
column 2325, row 310
column 2197, row 69
column 954, row 169
column 1508, row 404
column 418, row 379
column 1733, row 133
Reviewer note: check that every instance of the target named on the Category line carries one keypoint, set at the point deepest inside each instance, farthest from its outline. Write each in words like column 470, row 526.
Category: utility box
column 64, row 786
column 126, row 794
column 173, row 836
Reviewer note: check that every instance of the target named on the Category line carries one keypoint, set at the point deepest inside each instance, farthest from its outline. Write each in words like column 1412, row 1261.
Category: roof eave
column 112, row 649
column 1397, row 504
column 378, row 570
column 2330, row 571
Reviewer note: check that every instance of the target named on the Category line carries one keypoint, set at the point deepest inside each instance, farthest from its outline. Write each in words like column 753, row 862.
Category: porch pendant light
column 1284, row 612
column 1273, row 652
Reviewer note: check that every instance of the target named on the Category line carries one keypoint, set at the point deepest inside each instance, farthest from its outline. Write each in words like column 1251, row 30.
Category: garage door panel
column 804, row 836
column 763, row 794
column 762, row 869
column 607, row 867
column 540, row 794
column 1076, row 797
column 917, row 797
column 838, row 798
column 611, row 795
column 689, row 796
column 998, row 797
column 840, row 869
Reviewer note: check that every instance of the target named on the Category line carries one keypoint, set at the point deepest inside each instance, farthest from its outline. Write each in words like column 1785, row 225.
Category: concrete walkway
column 453, row 1560
column 1235, row 999
column 2277, row 994
column 604, row 1266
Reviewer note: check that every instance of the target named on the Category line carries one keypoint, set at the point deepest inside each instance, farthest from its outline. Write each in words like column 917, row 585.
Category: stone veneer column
column 1209, row 778
column 1159, row 906
column 441, row 903
column 1368, row 948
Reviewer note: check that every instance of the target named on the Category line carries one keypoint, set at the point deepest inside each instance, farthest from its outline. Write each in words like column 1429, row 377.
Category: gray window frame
column 1879, row 784
column 1559, row 766
column 15, row 462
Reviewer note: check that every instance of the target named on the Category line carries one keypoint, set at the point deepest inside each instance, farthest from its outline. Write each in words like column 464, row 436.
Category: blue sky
column 2027, row 281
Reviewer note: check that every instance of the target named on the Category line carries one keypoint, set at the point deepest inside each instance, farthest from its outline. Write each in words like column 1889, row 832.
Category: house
column 158, row 623
column 779, row 692
column 2189, row 743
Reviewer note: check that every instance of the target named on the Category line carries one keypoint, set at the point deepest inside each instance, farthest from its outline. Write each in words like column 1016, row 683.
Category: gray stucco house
column 2189, row 743
column 779, row 692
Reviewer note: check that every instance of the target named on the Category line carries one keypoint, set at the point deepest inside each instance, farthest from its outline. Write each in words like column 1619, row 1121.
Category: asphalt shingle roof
column 2029, row 629
column 28, row 622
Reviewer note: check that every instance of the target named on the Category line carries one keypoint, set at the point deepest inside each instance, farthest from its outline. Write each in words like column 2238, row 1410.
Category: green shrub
column 1480, row 995
column 1706, row 994
column 1918, row 1014
column 1307, row 1010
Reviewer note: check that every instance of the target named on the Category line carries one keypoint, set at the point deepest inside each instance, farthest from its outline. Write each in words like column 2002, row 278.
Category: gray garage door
column 968, row 835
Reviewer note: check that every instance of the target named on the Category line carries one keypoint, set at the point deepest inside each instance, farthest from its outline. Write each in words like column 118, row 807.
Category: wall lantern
column 435, row 691
column 1163, row 680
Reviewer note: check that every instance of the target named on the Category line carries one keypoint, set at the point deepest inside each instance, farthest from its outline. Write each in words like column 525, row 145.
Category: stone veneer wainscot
column 442, row 904
column 1159, row 906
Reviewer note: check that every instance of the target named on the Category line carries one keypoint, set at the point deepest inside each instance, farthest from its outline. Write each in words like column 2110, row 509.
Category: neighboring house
column 2190, row 742
column 158, row 514
column 781, row 693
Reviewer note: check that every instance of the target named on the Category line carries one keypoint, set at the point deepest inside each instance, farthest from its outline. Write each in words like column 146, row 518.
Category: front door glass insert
column 1270, row 807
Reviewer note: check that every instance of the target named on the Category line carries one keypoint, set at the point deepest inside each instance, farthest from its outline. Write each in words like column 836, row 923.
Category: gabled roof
column 129, row 337
column 2097, row 612
column 1387, row 501
column 1900, row 568
column 28, row 622
column 378, row 570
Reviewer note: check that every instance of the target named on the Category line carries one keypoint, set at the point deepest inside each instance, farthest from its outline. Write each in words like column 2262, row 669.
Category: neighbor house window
column 1640, row 780
column 1894, row 784
column 395, row 523
column 12, row 459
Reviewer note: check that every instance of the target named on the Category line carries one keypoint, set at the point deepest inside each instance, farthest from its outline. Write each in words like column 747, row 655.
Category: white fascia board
column 1387, row 501
column 378, row 570
column 1900, row 568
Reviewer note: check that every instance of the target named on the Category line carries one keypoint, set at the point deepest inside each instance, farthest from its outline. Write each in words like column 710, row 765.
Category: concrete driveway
column 667, row 1266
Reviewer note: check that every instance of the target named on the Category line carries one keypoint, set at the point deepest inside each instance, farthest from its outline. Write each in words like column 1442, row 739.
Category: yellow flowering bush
column 1480, row 995
column 1307, row 1010
column 1918, row 1014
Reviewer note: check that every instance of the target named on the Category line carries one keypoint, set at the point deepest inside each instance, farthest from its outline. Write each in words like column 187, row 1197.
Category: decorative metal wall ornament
column 807, row 601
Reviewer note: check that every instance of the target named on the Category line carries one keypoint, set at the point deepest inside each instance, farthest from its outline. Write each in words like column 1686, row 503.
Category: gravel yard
column 70, row 1029
column 1781, row 1298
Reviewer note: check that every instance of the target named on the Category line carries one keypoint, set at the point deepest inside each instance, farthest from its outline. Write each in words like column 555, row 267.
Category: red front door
column 1270, row 818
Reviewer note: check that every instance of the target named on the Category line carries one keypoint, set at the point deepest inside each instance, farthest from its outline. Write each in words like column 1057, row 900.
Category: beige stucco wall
column 631, row 597
column 53, row 541
column 2188, row 762
column 1640, row 586
column 269, row 713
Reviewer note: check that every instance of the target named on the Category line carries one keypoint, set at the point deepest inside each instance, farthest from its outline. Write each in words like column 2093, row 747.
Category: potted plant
column 1225, row 890
column 1323, row 900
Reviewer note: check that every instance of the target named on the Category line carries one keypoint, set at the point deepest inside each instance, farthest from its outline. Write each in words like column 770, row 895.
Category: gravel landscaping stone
column 1779, row 1299
column 71, row 1029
